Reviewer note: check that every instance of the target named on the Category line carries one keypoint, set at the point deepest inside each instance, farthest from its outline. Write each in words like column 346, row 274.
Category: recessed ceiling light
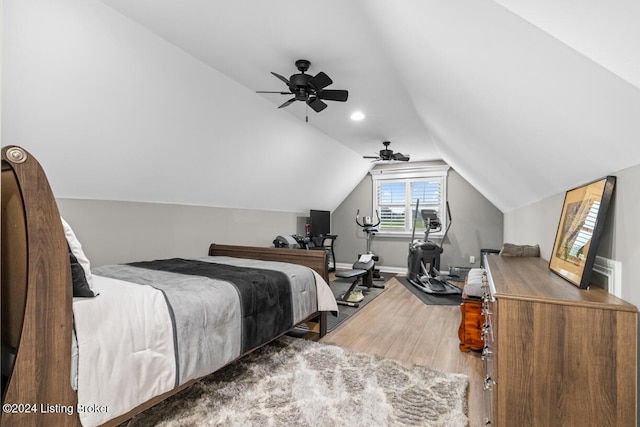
column 358, row 115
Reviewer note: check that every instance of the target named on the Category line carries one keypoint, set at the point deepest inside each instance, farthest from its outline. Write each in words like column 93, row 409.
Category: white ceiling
column 524, row 99
column 605, row 31
column 248, row 39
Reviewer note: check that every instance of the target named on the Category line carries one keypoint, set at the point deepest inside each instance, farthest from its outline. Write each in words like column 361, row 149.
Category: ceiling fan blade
column 289, row 102
column 334, row 95
column 284, row 79
column 268, row 91
column 401, row 157
column 316, row 104
column 370, row 157
column 320, row 81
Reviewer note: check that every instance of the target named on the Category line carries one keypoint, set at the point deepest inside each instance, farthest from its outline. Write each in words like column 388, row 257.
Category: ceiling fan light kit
column 309, row 89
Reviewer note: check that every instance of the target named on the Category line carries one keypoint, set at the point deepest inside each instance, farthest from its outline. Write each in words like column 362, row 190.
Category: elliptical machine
column 427, row 252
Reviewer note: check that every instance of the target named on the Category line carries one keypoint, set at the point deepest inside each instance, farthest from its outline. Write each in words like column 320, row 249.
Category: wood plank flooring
column 399, row 326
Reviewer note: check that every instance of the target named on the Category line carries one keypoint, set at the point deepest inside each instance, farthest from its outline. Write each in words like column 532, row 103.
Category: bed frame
column 36, row 297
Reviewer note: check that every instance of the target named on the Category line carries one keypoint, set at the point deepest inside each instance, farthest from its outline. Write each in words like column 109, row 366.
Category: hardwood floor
column 397, row 325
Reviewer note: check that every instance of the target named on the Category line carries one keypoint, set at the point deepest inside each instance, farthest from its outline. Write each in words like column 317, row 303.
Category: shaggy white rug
column 295, row 382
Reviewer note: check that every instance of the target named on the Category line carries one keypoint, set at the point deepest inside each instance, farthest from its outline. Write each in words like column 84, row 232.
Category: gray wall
column 538, row 222
column 476, row 224
column 115, row 232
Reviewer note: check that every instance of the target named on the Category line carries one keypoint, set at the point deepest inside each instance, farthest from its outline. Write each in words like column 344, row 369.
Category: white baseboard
column 394, row 270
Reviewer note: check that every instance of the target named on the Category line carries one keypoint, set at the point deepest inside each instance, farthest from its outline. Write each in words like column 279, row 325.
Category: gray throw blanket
column 222, row 308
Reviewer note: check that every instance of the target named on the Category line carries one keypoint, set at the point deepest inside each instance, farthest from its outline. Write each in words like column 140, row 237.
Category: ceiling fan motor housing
column 301, row 83
column 386, row 153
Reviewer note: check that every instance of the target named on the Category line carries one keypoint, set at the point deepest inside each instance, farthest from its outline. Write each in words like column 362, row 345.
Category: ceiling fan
column 310, row 89
column 387, row 154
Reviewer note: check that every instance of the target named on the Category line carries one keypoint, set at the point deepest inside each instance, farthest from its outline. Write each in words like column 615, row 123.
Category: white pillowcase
column 76, row 250
column 473, row 287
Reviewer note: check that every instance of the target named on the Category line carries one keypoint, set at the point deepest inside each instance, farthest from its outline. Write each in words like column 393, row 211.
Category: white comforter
column 126, row 352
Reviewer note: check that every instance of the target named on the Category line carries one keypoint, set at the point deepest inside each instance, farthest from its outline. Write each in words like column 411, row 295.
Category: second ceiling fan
column 309, row 89
column 388, row 154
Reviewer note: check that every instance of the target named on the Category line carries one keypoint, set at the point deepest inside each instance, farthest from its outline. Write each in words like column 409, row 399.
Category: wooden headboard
column 36, row 296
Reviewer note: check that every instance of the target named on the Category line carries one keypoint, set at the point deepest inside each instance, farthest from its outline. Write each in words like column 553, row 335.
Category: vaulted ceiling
column 524, row 99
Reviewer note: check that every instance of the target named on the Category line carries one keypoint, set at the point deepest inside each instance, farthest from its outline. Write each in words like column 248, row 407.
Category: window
column 396, row 192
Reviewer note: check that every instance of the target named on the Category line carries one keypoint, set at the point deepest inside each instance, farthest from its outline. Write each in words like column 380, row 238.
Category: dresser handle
column 488, row 383
column 486, row 353
column 486, row 329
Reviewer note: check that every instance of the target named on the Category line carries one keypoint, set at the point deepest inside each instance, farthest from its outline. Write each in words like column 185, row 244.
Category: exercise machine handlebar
column 366, row 223
column 449, row 221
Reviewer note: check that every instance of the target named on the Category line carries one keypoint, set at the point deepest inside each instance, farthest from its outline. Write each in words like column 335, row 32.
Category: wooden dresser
column 556, row 355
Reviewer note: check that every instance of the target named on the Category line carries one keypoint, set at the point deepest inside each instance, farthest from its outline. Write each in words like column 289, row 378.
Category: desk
column 320, row 242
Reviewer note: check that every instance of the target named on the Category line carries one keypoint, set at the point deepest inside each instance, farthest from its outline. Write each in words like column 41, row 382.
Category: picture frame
column 584, row 212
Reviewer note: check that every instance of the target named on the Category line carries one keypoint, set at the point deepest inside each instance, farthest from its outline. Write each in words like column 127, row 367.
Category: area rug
column 295, row 382
column 431, row 299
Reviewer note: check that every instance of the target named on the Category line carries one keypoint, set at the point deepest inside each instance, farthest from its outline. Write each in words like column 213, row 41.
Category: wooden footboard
column 316, row 260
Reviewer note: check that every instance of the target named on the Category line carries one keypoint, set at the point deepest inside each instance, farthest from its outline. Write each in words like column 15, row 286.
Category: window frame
column 407, row 176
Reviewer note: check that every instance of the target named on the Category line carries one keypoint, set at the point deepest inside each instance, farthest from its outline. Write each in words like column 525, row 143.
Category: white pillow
column 473, row 287
column 76, row 250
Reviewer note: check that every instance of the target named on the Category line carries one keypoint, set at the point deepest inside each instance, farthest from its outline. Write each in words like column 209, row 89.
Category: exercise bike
column 363, row 271
column 427, row 252
column 370, row 229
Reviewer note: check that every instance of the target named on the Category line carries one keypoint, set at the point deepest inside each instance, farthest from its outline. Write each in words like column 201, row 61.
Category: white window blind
column 397, row 191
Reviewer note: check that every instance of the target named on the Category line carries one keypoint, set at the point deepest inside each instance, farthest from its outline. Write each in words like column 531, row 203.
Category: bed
column 55, row 340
